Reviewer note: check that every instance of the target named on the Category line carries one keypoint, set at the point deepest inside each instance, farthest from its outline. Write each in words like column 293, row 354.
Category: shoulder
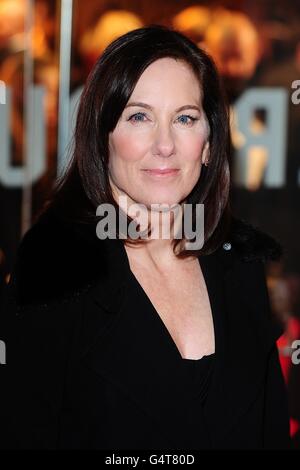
column 250, row 243
column 56, row 260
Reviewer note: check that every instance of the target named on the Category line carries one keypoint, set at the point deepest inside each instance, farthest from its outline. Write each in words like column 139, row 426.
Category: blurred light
column 192, row 20
column 233, row 41
column 110, row 26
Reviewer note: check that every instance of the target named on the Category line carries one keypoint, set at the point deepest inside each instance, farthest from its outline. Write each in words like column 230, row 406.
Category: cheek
column 193, row 148
column 126, row 147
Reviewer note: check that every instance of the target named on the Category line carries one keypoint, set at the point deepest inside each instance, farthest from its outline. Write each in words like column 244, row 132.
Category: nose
column 163, row 141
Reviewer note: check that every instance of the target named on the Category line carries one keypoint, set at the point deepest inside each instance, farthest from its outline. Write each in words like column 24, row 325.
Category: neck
column 165, row 222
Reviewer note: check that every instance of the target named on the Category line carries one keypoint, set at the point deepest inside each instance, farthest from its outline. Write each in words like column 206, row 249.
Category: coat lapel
column 246, row 333
column 241, row 362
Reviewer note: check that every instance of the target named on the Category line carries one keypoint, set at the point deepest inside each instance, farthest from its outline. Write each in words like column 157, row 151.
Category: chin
column 156, row 197
column 168, row 202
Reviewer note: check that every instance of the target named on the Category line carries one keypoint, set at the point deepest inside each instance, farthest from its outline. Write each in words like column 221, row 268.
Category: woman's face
column 163, row 126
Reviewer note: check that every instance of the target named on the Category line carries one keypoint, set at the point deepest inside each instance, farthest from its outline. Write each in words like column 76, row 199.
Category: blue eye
column 137, row 115
column 187, row 116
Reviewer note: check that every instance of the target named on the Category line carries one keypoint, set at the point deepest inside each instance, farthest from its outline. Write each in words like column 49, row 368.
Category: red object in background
column 284, row 344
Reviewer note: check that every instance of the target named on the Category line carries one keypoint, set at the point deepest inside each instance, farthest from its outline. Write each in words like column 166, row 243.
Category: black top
column 200, row 371
column 197, row 373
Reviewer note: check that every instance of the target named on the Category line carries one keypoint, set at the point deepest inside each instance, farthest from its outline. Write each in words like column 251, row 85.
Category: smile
column 161, row 173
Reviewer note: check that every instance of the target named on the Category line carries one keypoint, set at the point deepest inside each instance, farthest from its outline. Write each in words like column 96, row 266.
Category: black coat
column 81, row 373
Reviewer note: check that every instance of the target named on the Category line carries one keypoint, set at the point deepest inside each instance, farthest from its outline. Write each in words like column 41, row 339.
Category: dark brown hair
column 85, row 184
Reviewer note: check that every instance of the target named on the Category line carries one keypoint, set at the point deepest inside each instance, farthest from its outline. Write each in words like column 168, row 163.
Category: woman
column 140, row 342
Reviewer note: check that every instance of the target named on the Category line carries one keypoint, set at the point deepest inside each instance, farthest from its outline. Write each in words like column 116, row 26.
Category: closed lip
column 161, row 170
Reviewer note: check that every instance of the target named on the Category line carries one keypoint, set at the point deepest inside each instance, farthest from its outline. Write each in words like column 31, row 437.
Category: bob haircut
column 85, row 183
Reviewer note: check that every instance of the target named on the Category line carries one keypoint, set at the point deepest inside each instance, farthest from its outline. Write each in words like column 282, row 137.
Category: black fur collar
column 253, row 244
column 57, row 260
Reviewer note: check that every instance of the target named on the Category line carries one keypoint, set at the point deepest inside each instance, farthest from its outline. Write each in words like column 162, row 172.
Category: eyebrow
column 147, row 106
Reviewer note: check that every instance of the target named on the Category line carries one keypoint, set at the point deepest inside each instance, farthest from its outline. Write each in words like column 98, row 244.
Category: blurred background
column 47, row 49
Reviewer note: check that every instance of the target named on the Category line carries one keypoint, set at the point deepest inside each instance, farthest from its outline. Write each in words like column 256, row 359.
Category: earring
column 206, row 162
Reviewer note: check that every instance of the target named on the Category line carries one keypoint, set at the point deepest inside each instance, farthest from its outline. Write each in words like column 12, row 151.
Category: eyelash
column 193, row 119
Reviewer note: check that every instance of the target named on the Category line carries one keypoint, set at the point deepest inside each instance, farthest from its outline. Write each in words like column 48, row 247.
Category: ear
column 205, row 152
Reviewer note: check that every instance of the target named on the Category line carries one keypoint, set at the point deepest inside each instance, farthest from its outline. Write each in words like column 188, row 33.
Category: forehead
column 168, row 77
